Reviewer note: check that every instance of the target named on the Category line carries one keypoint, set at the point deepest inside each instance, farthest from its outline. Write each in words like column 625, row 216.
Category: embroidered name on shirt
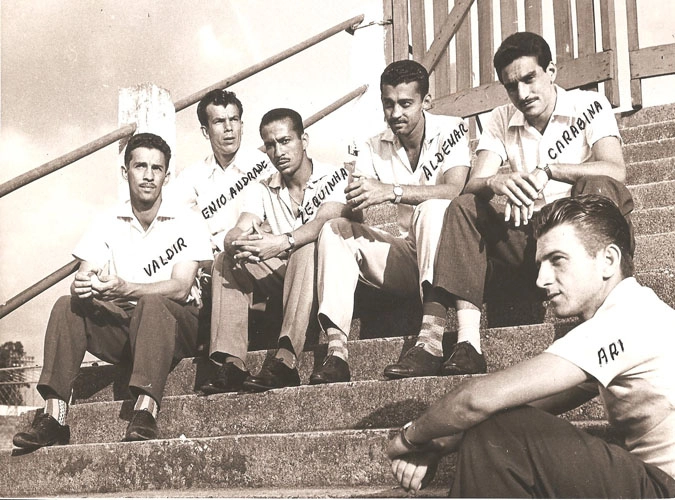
column 165, row 258
column 574, row 130
column 308, row 210
column 219, row 202
column 613, row 350
column 446, row 147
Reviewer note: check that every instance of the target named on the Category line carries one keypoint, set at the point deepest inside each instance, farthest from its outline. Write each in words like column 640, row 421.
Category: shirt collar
column 166, row 210
column 431, row 131
column 615, row 296
column 215, row 167
column 277, row 180
column 563, row 107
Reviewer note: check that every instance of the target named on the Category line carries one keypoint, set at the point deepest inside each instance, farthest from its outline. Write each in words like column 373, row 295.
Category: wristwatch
column 411, row 446
column 398, row 193
column 291, row 241
column 546, row 169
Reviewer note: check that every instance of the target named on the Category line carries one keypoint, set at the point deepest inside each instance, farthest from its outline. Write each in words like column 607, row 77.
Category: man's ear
column 552, row 70
column 305, row 141
column 166, row 178
column 426, row 102
column 125, row 170
column 611, row 261
column 205, row 132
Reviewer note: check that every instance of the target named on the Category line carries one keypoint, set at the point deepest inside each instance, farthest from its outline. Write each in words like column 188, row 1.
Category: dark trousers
column 152, row 337
column 526, row 452
column 475, row 238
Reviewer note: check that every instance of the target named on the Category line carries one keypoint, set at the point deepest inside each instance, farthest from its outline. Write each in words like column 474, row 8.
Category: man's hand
column 415, row 471
column 82, row 284
column 256, row 245
column 364, row 192
column 109, row 287
column 521, row 190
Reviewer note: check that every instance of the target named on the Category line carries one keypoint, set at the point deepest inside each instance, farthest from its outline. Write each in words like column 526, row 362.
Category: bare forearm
column 172, row 289
column 567, row 172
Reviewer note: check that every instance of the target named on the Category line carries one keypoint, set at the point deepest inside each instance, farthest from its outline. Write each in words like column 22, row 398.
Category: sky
column 63, row 61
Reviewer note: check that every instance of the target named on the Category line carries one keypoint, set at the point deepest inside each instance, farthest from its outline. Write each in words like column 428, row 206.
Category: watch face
column 398, row 190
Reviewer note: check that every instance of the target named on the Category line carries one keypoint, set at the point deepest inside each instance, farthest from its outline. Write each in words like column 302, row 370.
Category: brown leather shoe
column 142, row 427
column 229, row 378
column 44, row 431
column 415, row 363
column 333, row 369
column 274, row 374
column 464, row 360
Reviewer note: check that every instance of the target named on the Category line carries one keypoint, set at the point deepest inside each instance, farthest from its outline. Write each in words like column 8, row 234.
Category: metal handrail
column 127, row 130
column 49, row 281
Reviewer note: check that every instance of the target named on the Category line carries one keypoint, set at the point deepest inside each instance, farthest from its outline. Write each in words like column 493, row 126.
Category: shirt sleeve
column 455, row 147
column 254, row 200
column 93, row 246
column 603, row 123
column 492, row 139
column 365, row 161
column 197, row 239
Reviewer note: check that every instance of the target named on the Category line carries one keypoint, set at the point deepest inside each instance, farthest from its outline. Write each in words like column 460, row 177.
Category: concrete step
column 648, row 132
column 354, row 405
column 325, row 460
column 654, row 220
column 367, row 358
column 650, row 150
column 653, row 195
column 645, row 172
column 647, row 116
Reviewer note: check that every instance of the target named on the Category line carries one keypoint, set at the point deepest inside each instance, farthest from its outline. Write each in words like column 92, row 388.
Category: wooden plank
column 633, row 47
column 450, row 23
column 652, row 61
column 418, row 30
column 464, row 56
column 586, row 30
column 534, row 17
column 509, row 17
column 400, row 27
column 388, row 14
column 608, row 22
column 486, row 44
column 562, row 18
column 439, row 48
column 572, row 74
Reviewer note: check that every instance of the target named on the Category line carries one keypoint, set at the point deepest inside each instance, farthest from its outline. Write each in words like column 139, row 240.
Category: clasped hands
column 256, row 244
column 94, row 283
column 521, row 190
column 364, row 192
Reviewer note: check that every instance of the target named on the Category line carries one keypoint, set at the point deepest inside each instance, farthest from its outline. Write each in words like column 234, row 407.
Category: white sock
column 469, row 327
column 58, row 409
column 431, row 335
column 145, row 402
column 337, row 343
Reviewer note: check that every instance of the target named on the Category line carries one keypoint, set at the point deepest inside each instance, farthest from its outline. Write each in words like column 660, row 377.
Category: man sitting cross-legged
column 510, row 445
column 271, row 250
column 130, row 300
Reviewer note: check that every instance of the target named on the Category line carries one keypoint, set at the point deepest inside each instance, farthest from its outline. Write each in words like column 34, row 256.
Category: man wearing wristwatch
column 271, row 252
column 420, row 163
column 554, row 143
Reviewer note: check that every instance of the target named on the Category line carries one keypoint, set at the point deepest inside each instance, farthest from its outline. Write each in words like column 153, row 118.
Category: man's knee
column 494, row 429
column 605, row 186
column 335, row 228
column 431, row 208
column 151, row 302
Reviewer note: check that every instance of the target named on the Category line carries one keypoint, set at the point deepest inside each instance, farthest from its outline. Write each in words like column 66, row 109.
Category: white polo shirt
column 117, row 243
column 218, row 193
column 580, row 119
column 628, row 346
column 445, row 145
column 271, row 202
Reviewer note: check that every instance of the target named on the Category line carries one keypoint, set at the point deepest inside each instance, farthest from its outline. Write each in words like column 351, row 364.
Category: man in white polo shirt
column 556, row 143
column 419, row 163
column 216, row 185
column 271, row 250
column 510, row 443
column 130, row 300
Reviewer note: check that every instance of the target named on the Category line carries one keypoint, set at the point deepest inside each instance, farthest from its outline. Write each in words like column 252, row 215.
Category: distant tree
column 11, row 381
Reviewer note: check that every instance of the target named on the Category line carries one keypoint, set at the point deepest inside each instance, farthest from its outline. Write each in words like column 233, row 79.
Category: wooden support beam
column 388, row 14
column 652, row 61
column 534, row 17
column 486, row 44
column 418, row 30
column 586, row 31
column 608, row 22
column 509, row 17
column 446, row 32
column 633, row 48
column 564, row 41
column 464, row 55
column 400, row 28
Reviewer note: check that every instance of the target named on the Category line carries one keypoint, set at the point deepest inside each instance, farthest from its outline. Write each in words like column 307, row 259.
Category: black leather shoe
column 464, row 360
column 228, row 379
column 142, row 427
column 274, row 374
column 44, row 431
column 333, row 369
column 415, row 363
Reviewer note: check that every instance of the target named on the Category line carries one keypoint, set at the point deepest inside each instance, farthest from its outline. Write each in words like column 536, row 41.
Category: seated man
column 420, row 163
column 556, row 144
column 510, row 446
column 272, row 250
column 216, row 185
column 130, row 299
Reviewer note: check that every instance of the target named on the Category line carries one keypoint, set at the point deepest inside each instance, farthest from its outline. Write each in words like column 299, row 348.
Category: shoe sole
column 31, row 445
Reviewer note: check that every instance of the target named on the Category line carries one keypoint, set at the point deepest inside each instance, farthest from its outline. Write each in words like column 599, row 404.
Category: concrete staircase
column 325, row 441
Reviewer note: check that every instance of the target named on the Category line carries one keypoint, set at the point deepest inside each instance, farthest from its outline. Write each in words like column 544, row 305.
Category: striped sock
column 468, row 322
column 58, row 409
column 286, row 357
column 238, row 362
column 145, row 402
column 337, row 343
column 431, row 335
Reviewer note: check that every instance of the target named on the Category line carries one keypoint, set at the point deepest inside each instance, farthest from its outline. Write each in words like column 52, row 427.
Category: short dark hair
column 150, row 141
column 278, row 114
column 218, row 97
column 406, row 71
column 519, row 45
column 597, row 220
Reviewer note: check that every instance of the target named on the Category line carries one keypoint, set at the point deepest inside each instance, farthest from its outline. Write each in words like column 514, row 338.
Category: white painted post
column 152, row 109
